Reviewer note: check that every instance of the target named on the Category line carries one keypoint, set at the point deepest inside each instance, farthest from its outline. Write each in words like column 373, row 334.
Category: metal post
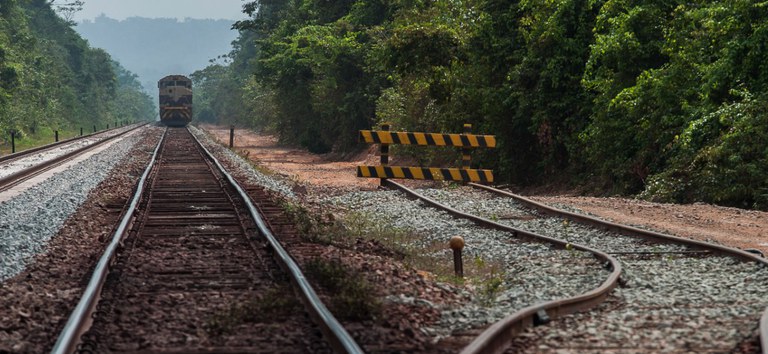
column 94, row 128
column 107, row 126
column 384, row 153
column 466, row 159
column 81, row 131
column 457, row 245
column 231, row 136
column 13, row 141
column 56, row 135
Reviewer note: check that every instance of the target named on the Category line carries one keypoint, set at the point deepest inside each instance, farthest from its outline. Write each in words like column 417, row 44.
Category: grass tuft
column 277, row 302
column 353, row 297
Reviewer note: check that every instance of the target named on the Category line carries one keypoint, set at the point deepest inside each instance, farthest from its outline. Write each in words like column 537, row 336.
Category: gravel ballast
column 247, row 169
column 656, row 307
column 669, row 302
column 30, row 219
column 38, row 300
column 531, row 273
column 694, row 221
column 528, row 273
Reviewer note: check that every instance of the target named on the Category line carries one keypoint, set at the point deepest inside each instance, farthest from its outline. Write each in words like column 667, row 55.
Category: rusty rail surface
column 17, row 177
column 214, row 223
column 646, row 234
column 497, row 337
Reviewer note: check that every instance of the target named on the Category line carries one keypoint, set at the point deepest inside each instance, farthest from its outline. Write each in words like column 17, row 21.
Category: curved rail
column 338, row 337
column 13, row 178
column 23, row 153
column 80, row 317
column 628, row 230
column 646, row 234
column 496, row 338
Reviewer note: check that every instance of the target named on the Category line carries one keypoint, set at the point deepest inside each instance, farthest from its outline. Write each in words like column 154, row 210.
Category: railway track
column 21, row 166
column 677, row 295
column 196, row 269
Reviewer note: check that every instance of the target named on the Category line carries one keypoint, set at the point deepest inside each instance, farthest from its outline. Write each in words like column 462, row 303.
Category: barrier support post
column 231, row 136
column 384, row 153
column 56, row 136
column 466, row 158
column 13, row 141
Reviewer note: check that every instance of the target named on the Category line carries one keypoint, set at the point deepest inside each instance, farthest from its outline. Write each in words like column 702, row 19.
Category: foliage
column 277, row 302
column 50, row 79
column 353, row 297
column 723, row 158
column 623, row 95
column 658, row 68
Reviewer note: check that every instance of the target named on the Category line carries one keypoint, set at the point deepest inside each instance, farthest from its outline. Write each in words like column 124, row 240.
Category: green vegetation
column 50, row 79
column 356, row 230
column 353, row 297
column 276, row 303
column 665, row 98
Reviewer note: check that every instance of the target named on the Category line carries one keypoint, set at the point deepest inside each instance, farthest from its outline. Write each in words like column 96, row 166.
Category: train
column 175, row 100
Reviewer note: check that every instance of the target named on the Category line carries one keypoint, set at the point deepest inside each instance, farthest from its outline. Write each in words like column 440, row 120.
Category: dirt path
column 335, row 175
column 321, row 173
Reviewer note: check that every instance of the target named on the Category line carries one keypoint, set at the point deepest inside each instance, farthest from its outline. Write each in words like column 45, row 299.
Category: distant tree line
column 155, row 47
column 666, row 99
column 51, row 79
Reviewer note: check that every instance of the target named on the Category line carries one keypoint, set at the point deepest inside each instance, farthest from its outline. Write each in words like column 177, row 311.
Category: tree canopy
column 51, row 78
column 665, row 99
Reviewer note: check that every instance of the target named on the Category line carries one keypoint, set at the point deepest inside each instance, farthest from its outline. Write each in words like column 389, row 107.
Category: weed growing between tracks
column 353, row 297
column 276, row 303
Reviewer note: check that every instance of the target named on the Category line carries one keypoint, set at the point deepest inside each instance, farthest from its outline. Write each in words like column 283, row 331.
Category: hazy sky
column 199, row 9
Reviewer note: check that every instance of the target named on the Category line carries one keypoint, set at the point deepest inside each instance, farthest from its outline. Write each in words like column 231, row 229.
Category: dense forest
column 51, row 79
column 662, row 99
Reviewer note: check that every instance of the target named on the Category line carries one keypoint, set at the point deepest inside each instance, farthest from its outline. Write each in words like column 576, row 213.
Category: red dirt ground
column 334, row 174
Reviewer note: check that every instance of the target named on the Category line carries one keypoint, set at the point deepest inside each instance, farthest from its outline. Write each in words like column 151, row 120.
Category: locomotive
column 175, row 100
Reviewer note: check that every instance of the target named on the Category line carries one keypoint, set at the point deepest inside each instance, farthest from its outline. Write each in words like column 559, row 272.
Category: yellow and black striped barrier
column 427, row 173
column 465, row 141
column 426, row 139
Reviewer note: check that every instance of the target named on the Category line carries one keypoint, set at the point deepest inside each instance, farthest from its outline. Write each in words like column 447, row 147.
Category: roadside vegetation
column 663, row 99
column 51, row 79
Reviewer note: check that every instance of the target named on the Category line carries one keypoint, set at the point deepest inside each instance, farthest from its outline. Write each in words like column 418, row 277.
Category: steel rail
column 627, row 230
column 334, row 332
column 81, row 315
column 497, row 338
column 11, row 179
column 26, row 152
column 646, row 234
column 764, row 332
